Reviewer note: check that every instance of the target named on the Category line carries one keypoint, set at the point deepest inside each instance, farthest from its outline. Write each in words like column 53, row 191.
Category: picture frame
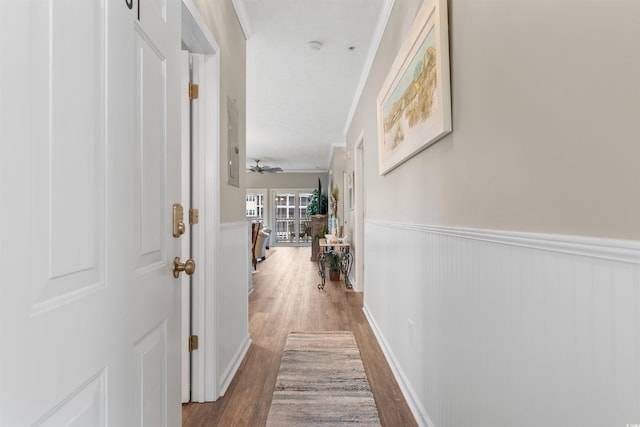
column 414, row 102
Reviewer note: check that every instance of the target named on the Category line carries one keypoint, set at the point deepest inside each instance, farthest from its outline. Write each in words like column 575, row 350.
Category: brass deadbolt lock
column 178, row 220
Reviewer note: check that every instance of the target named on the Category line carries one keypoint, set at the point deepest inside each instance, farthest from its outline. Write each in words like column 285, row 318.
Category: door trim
column 359, row 214
column 198, row 39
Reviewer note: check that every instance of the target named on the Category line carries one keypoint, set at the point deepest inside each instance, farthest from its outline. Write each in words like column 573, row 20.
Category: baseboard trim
column 229, row 373
column 405, row 385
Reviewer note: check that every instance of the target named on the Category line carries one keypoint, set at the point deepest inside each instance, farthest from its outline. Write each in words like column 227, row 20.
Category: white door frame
column 359, row 203
column 185, row 280
column 206, row 194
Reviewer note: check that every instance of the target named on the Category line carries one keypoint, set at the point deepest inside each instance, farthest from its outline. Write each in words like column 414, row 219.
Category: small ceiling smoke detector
column 315, row 45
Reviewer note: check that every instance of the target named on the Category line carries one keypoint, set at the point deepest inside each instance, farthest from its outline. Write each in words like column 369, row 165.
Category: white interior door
column 89, row 167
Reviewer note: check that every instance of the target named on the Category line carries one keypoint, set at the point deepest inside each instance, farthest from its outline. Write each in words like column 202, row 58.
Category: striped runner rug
column 321, row 382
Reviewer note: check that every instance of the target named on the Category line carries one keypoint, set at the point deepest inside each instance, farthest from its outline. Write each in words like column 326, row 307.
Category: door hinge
column 194, row 216
column 193, row 343
column 193, row 91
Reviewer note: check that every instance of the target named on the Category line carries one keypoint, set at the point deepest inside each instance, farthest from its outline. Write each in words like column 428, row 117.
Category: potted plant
column 316, row 211
column 333, row 261
column 315, row 208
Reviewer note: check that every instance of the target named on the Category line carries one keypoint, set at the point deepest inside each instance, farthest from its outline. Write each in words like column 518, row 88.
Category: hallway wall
column 224, row 301
column 223, row 23
column 545, row 101
column 287, row 180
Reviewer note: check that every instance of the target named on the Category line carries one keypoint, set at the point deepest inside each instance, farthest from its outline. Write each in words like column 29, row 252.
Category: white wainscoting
column 231, row 301
column 497, row 329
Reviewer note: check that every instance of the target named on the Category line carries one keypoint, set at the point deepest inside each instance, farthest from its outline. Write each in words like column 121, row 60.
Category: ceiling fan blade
column 262, row 169
column 271, row 170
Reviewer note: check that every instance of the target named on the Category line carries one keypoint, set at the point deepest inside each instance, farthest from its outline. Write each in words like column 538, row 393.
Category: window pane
column 254, row 208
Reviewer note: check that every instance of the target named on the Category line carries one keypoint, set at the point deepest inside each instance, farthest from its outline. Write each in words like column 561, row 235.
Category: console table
column 341, row 249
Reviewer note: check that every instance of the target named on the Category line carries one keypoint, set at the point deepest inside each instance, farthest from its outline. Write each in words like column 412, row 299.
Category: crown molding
column 373, row 50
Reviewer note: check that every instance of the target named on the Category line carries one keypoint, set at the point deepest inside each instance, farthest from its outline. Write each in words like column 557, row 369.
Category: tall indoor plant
column 315, row 208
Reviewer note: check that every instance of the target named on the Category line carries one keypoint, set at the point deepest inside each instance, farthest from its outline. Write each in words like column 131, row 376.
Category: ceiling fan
column 262, row 169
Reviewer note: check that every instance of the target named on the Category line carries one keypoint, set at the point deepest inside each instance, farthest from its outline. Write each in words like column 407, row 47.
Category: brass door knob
column 189, row 267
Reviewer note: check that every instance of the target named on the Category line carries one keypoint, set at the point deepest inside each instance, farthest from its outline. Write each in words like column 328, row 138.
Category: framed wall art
column 414, row 103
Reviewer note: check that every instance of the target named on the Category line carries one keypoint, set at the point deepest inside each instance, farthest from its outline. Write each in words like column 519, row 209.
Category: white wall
column 287, row 180
column 509, row 329
column 225, row 295
column 545, row 101
column 223, row 23
column 231, row 312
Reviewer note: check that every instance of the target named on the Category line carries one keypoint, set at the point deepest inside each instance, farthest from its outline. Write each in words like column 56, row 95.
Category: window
column 254, row 206
column 291, row 222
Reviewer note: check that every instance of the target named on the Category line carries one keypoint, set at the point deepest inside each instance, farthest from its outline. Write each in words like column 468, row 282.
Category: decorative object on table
column 319, row 228
column 414, row 104
column 322, row 381
column 333, row 203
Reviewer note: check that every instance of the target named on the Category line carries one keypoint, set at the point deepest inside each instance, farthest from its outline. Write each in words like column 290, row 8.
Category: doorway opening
column 291, row 223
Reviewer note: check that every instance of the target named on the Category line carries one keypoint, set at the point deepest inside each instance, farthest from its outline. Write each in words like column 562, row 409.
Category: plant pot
column 334, row 276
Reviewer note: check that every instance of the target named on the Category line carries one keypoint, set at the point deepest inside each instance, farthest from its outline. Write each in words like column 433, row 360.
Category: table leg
column 321, row 268
column 347, row 264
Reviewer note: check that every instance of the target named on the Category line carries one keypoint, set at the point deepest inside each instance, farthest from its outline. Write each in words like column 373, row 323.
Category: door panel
column 68, row 244
column 150, row 147
column 151, row 378
column 156, row 318
column 86, row 406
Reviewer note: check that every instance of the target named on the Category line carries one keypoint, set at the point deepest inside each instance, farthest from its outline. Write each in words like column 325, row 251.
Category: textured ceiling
column 299, row 99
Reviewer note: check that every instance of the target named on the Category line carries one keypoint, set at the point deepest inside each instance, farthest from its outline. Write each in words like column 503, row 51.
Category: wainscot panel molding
column 231, row 302
column 492, row 328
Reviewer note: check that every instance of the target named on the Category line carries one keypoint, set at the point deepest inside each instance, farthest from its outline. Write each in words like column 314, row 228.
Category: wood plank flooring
column 286, row 299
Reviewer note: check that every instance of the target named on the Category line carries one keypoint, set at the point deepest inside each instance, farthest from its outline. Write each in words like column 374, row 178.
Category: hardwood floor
column 285, row 299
